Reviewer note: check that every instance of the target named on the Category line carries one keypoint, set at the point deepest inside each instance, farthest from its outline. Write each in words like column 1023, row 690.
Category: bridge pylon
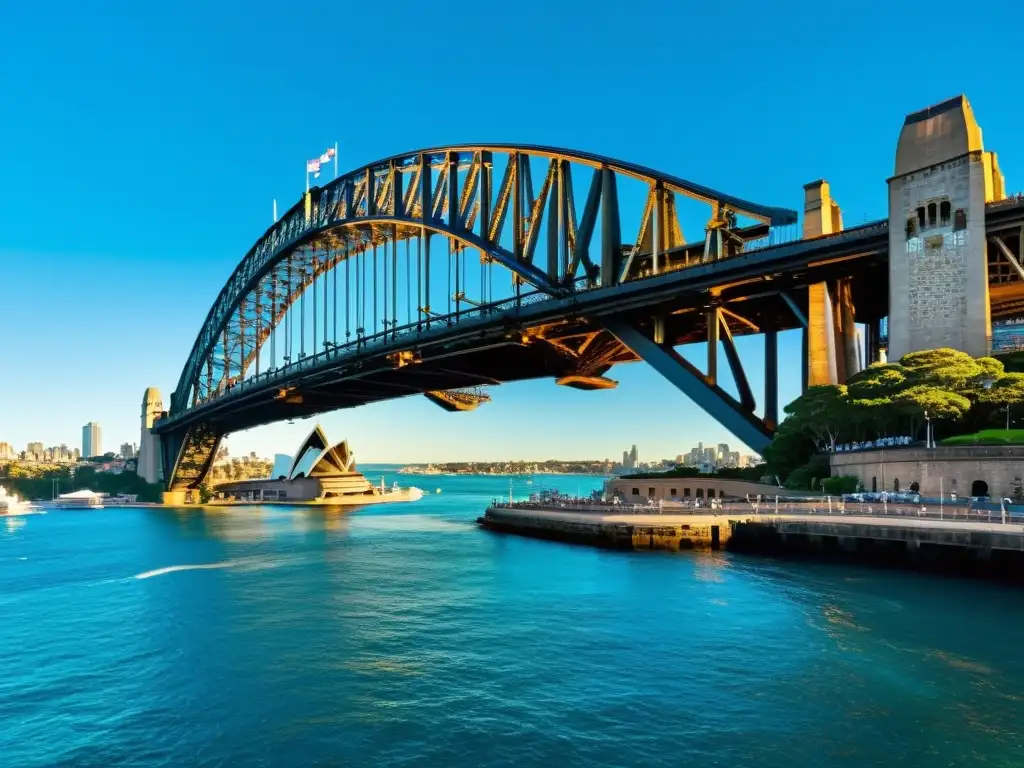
column 938, row 249
column 188, row 454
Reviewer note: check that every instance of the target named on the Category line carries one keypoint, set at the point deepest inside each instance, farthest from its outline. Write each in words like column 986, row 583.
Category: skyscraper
column 92, row 444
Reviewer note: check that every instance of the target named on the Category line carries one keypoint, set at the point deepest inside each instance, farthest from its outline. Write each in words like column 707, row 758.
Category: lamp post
column 928, row 430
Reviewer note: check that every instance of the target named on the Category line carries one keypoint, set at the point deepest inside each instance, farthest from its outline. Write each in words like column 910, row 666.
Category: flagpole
column 335, row 159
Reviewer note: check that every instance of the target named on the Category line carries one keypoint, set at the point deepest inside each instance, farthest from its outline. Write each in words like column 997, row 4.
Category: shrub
column 837, row 486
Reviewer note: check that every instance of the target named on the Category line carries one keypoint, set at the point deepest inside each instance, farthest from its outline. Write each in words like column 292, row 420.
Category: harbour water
column 405, row 635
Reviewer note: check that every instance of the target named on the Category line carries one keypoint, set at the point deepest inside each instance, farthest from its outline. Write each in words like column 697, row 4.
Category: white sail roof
column 317, row 457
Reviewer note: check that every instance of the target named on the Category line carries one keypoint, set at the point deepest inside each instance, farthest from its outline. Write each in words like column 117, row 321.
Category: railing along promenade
column 945, row 511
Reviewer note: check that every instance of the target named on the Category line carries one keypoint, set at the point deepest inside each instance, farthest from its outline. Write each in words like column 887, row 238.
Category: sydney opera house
column 318, row 473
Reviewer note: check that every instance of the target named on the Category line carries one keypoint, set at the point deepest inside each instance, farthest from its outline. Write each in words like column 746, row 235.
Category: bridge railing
column 382, row 339
column 950, row 512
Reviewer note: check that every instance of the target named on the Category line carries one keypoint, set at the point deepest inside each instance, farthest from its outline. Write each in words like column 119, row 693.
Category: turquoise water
column 405, row 636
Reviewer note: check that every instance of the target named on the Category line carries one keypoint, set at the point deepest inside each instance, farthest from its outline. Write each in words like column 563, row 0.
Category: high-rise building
column 7, row 451
column 128, row 451
column 34, row 448
column 92, row 442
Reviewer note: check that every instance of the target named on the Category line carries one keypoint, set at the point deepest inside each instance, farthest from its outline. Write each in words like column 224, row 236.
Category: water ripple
column 403, row 636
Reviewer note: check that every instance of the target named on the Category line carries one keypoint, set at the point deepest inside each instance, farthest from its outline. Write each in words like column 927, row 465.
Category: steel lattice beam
column 708, row 396
column 448, row 191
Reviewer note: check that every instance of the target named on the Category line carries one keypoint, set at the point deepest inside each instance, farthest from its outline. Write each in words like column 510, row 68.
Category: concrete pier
column 612, row 530
column 986, row 547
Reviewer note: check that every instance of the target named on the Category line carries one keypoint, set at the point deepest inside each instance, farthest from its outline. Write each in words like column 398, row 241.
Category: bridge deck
column 496, row 344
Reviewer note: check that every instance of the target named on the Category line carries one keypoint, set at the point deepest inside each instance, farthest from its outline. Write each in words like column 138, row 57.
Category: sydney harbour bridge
column 440, row 271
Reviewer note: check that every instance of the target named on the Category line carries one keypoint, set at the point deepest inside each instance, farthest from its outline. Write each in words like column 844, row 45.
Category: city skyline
column 211, row 208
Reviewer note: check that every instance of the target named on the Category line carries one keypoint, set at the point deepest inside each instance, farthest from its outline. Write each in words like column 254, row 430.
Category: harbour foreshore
column 987, row 543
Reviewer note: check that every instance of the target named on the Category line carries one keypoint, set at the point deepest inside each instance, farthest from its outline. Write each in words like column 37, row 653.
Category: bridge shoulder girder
column 709, row 397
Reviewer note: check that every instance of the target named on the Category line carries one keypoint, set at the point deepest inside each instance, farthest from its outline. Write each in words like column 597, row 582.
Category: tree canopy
column 954, row 391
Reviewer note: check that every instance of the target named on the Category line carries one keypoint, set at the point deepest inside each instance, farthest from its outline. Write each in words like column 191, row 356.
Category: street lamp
column 928, row 430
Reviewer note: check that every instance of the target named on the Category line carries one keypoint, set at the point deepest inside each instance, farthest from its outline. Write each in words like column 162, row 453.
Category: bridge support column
column 833, row 344
column 188, row 454
column 692, row 383
column 771, row 379
column 938, row 249
column 825, row 358
column 173, row 498
column 851, row 341
column 148, row 462
column 876, row 352
column 821, row 347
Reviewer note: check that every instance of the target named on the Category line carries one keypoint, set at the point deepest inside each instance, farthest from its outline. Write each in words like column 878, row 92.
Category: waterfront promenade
column 978, row 541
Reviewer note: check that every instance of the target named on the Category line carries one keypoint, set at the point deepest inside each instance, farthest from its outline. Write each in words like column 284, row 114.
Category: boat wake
column 241, row 564
column 176, row 568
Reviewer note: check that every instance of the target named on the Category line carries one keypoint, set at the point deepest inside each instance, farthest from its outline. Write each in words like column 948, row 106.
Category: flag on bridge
column 314, row 166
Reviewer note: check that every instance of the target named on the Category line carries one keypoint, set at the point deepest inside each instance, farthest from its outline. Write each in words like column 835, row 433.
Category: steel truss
column 1005, row 270
column 476, row 197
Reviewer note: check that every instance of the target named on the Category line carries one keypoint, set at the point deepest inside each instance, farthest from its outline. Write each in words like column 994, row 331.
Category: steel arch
column 376, row 196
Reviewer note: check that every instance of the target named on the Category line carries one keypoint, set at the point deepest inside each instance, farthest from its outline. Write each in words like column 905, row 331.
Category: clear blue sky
column 141, row 145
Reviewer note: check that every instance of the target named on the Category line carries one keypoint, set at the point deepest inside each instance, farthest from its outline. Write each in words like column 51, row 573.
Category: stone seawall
column 966, row 548
column 707, row 532
column 955, row 549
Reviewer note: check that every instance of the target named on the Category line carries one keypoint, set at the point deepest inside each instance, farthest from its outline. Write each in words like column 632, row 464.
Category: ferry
column 84, row 499
column 10, row 504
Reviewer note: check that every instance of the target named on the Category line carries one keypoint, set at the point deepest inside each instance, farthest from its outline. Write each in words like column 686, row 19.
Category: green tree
column 85, row 477
column 808, row 477
column 792, row 448
column 938, row 404
column 1006, row 392
column 944, row 368
column 822, row 412
column 877, row 381
column 991, row 368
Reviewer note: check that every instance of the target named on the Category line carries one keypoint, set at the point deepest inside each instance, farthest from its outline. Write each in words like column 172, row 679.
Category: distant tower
column 149, row 464
column 92, row 439
column 938, row 254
